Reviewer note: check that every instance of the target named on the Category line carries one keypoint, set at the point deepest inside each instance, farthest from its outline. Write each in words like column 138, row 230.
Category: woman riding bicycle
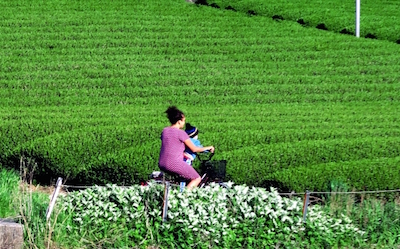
column 173, row 141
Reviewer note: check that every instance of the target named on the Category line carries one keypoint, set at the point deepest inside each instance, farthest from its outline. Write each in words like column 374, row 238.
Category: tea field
column 377, row 18
column 84, row 87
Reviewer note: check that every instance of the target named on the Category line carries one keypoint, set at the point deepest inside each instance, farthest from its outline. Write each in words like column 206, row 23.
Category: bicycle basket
column 214, row 169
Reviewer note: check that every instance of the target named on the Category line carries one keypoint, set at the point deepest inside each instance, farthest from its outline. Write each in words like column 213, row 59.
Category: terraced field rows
column 378, row 18
column 83, row 89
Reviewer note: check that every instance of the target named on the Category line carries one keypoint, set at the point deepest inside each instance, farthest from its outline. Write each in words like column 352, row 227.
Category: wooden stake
column 305, row 205
column 53, row 198
column 165, row 202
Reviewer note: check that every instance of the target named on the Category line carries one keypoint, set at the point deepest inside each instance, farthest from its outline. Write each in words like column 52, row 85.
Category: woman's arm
column 196, row 149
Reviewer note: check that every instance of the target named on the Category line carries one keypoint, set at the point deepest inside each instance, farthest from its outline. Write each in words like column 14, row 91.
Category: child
column 188, row 155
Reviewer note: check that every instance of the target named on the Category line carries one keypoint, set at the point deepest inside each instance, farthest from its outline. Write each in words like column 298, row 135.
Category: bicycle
column 210, row 171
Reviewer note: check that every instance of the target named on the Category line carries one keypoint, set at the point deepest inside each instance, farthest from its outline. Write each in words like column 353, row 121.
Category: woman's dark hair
column 174, row 114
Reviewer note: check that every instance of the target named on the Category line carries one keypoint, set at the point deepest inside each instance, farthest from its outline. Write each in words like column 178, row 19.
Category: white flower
column 287, row 218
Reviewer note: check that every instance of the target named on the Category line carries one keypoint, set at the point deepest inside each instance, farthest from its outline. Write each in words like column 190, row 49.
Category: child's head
column 191, row 131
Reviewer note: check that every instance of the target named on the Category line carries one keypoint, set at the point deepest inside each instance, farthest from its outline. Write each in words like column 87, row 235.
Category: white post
column 53, row 198
column 358, row 4
column 305, row 205
column 165, row 202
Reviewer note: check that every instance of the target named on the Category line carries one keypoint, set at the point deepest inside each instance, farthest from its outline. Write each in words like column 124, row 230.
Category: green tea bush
column 336, row 15
column 93, row 155
column 83, row 90
column 377, row 174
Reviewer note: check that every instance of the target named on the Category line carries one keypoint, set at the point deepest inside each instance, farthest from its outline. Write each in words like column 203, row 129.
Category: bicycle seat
column 172, row 177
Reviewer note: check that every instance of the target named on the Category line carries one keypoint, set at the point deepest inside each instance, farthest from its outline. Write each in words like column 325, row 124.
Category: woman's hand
column 211, row 149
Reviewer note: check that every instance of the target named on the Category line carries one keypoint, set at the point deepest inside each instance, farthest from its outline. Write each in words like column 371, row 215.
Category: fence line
column 80, row 187
column 85, row 187
column 306, row 195
column 289, row 193
column 342, row 192
column 360, row 192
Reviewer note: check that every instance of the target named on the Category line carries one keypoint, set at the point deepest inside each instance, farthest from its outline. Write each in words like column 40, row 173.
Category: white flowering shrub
column 213, row 216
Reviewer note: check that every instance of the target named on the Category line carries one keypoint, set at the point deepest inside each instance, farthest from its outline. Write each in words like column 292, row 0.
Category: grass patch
column 9, row 181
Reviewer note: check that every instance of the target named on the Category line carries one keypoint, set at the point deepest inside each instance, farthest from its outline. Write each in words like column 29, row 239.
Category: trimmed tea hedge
column 83, row 88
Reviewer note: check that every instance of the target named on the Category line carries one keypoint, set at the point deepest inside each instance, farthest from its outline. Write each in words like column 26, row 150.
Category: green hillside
column 83, row 88
column 378, row 19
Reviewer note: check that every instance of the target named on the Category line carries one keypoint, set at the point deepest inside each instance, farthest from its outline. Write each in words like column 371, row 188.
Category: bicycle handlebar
column 200, row 155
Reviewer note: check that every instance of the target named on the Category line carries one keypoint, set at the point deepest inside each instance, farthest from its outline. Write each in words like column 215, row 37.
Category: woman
column 173, row 141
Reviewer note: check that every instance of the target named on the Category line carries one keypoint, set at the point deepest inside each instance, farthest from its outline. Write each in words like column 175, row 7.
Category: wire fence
column 306, row 200
column 283, row 194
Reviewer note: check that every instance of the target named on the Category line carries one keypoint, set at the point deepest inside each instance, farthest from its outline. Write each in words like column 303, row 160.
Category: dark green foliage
column 376, row 174
column 83, row 88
